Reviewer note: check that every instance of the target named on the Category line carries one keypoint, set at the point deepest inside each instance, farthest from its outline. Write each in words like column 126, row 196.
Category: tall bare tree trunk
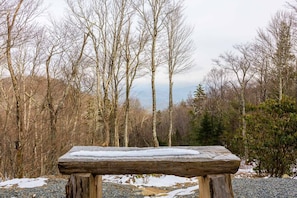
column 153, row 14
column 19, row 106
column 133, row 62
column 242, row 98
column 179, row 50
column 127, row 96
column 242, row 67
column 170, row 111
column 153, row 86
column 116, row 121
column 52, row 116
column 126, row 132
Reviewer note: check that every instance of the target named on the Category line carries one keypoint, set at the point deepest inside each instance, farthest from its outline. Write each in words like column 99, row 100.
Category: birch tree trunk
column 153, row 14
column 179, row 50
column 134, row 45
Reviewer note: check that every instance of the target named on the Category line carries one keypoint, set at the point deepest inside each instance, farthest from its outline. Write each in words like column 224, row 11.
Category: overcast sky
column 221, row 24
column 218, row 26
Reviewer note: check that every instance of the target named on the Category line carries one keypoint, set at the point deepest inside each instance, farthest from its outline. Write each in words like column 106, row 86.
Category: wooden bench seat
column 86, row 164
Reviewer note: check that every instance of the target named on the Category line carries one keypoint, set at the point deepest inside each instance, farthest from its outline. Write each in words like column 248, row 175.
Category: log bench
column 86, row 165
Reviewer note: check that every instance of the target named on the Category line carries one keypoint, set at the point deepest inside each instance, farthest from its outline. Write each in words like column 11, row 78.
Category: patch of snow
column 156, row 181
column 245, row 170
column 186, row 191
column 24, row 183
column 149, row 180
column 136, row 153
column 248, row 169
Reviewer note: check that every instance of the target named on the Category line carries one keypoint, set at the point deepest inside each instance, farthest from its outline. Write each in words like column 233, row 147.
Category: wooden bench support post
column 215, row 186
column 98, row 183
column 81, row 185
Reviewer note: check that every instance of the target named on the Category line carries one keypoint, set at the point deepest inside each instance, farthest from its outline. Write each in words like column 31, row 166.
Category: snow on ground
column 171, row 180
column 184, row 186
column 24, row 183
column 187, row 191
column 245, row 170
column 149, row 180
column 187, row 185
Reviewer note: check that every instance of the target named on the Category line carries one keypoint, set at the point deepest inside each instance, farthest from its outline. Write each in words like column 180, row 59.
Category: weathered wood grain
column 212, row 186
column 86, row 164
column 81, row 185
column 211, row 160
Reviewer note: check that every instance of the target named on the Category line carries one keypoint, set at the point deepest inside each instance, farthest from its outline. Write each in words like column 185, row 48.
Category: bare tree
column 179, row 50
column 153, row 14
column 216, row 82
column 134, row 46
column 2, row 30
column 105, row 21
column 262, row 65
column 18, row 29
column 277, row 42
column 67, row 57
column 241, row 66
column 121, row 18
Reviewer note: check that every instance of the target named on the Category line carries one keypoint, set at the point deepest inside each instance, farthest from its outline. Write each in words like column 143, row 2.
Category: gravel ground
column 243, row 188
column 265, row 188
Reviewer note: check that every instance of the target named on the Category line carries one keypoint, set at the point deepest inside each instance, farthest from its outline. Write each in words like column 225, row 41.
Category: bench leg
column 215, row 186
column 98, row 183
column 84, row 185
